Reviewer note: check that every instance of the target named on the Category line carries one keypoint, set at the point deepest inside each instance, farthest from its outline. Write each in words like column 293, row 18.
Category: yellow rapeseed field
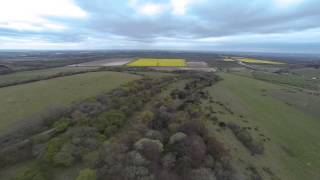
column 145, row 62
column 257, row 61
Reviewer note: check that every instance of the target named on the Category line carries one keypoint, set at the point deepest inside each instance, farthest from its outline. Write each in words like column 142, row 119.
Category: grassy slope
column 308, row 73
column 293, row 150
column 24, row 100
column 30, row 75
column 304, row 101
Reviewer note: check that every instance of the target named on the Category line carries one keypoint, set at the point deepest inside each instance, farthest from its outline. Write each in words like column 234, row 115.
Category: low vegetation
column 167, row 139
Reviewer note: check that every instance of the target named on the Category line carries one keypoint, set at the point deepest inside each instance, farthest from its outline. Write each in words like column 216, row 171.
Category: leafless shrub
column 194, row 128
column 216, row 148
column 246, row 139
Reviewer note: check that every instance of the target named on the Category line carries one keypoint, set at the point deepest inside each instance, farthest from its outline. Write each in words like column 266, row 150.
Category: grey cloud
column 109, row 20
column 207, row 20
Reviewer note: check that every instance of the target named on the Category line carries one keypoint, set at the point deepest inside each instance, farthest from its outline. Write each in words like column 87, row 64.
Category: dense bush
column 150, row 149
column 91, row 158
column 53, row 113
column 15, row 153
column 65, row 156
column 61, row 125
column 87, row 143
column 128, row 140
column 194, row 128
column 87, row 174
column 154, row 134
column 161, row 119
column 137, row 172
column 193, row 148
column 111, row 121
column 91, row 109
column 246, row 139
column 193, row 109
column 135, row 158
column 146, row 116
column 33, row 173
column 176, row 138
column 53, row 147
column 202, row 174
column 216, row 148
column 178, row 94
column 169, row 160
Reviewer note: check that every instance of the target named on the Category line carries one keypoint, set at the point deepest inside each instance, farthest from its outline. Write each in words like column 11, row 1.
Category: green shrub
column 111, row 121
column 91, row 158
column 101, row 137
column 33, row 173
column 146, row 116
column 246, row 139
column 109, row 130
column 65, row 156
column 87, row 174
column 62, row 124
column 53, row 147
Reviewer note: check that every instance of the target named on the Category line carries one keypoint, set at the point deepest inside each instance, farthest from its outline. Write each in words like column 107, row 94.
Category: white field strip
column 198, row 64
column 208, row 69
column 103, row 63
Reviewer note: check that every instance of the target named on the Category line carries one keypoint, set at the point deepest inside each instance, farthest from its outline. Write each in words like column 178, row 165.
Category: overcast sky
column 210, row 25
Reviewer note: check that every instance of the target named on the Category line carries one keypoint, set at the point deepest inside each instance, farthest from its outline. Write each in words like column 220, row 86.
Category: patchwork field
column 22, row 101
column 293, row 147
column 149, row 62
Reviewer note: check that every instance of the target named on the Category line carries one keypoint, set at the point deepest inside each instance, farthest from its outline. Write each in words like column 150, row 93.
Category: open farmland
column 208, row 119
column 104, row 63
column 146, row 62
column 28, row 76
column 22, row 101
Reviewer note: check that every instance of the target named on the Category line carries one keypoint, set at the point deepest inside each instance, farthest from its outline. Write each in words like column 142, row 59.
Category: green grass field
column 305, row 101
column 294, row 147
column 24, row 100
column 307, row 73
column 32, row 75
column 288, row 79
column 150, row 62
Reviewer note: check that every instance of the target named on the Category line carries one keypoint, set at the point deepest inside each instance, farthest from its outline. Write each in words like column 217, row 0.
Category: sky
column 291, row 26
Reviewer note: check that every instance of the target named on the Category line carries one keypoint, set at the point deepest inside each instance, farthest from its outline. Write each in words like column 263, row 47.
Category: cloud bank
column 231, row 25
